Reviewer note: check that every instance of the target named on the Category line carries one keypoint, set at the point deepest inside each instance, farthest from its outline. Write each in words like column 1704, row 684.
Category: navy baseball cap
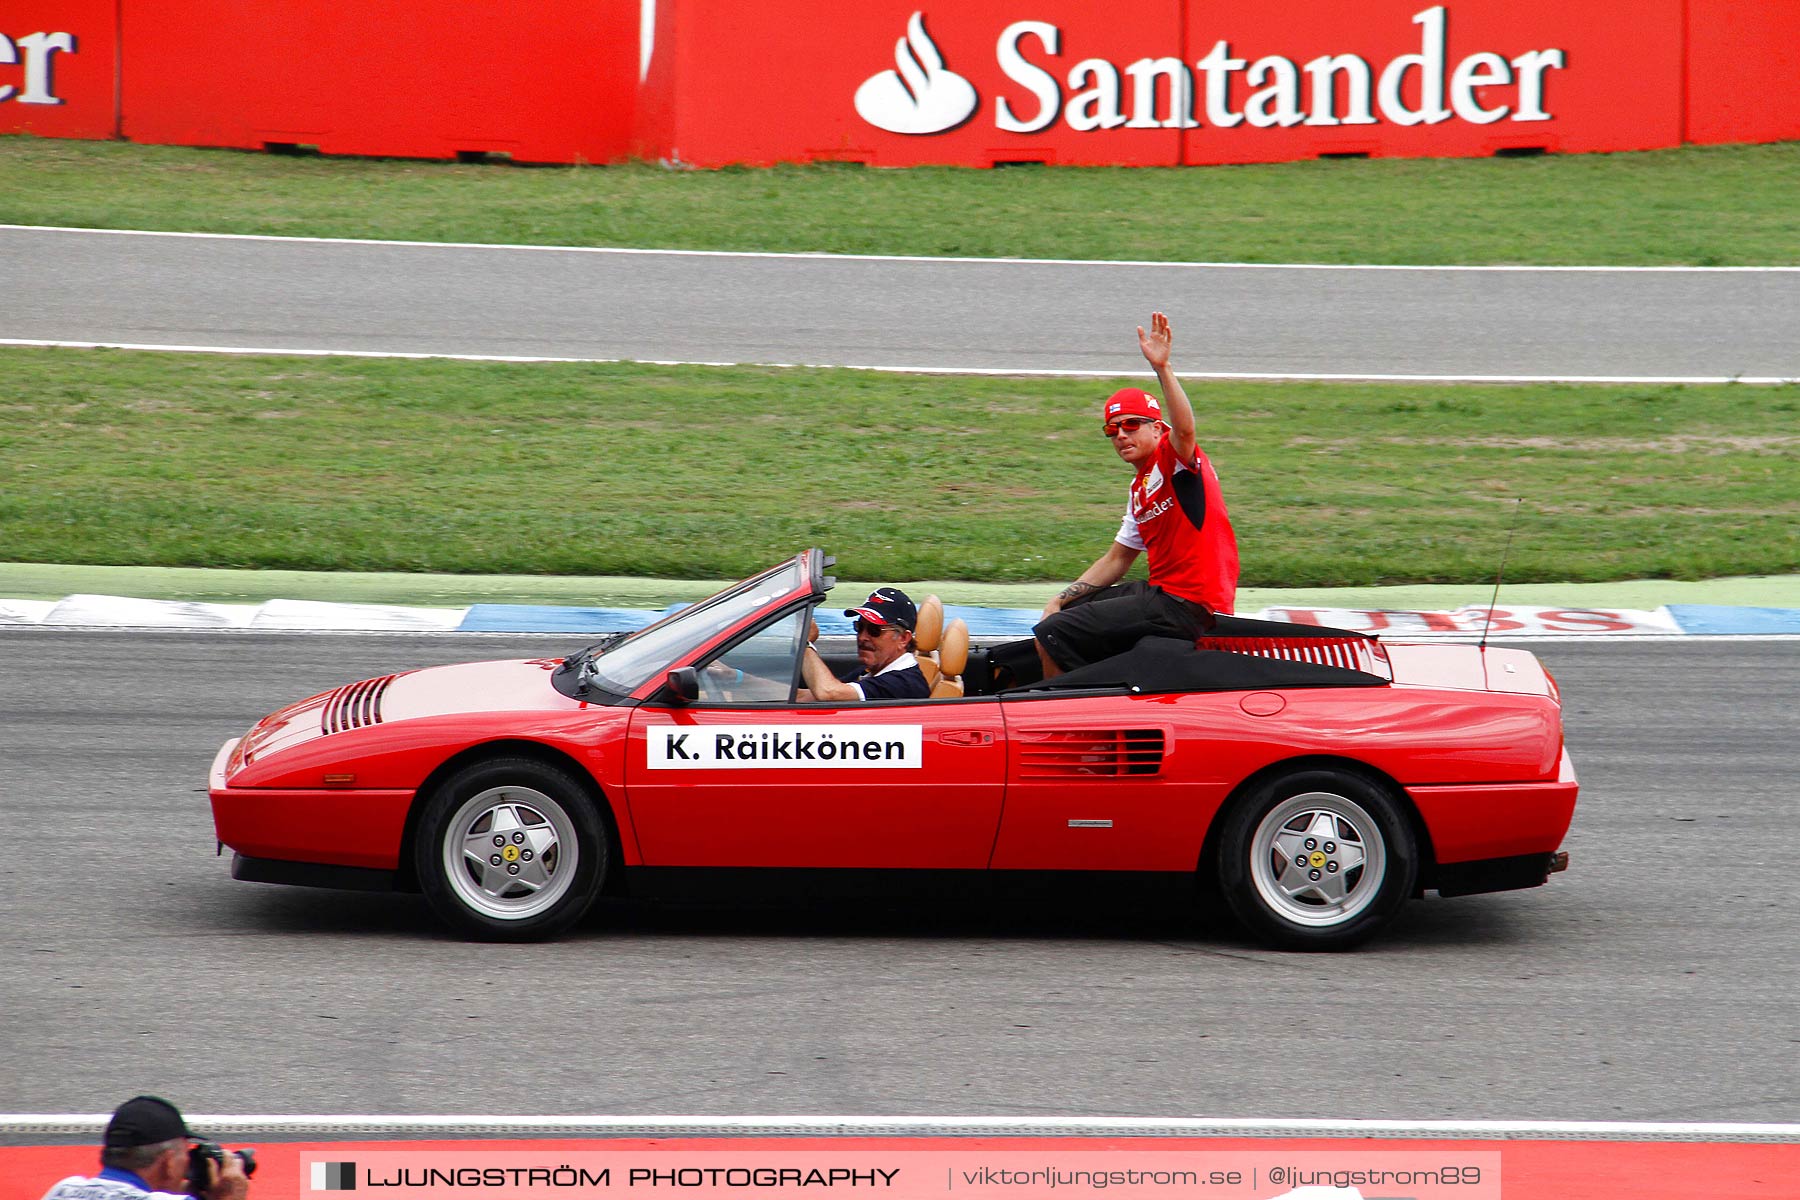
column 145, row 1121
column 887, row 606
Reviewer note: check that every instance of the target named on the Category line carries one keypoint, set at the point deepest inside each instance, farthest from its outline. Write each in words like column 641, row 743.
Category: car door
column 746, row 777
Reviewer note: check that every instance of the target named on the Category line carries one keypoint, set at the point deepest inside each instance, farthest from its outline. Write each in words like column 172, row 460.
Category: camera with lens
column 201, row 1153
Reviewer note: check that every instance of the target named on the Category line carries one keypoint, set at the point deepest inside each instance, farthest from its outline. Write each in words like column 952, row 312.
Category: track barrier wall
column 1743, row 71
column 710, row 83
column 59, row 68
column 554, row 81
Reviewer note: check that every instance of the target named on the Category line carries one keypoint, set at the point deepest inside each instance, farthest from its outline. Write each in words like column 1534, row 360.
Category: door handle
column 966, row 737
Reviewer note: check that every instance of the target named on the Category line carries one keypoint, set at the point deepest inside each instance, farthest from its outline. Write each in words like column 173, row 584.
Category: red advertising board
column 1411, row 79
column 1209, row 81
column 553, row 81
column 883, row 83
column 899, row 83
column 59, row 68
column 1743, row 70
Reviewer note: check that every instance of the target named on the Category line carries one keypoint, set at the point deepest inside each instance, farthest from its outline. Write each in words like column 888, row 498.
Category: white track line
column 919, row 258
column 1549, row 639
column 1272, row 376
column 67, row 1124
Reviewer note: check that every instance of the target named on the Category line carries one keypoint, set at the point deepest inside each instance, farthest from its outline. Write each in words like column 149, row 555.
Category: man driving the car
column 886, row 667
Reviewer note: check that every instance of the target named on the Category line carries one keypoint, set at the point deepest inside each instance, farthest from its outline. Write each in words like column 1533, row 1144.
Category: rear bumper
column 1472, row 824
column 1494, row 874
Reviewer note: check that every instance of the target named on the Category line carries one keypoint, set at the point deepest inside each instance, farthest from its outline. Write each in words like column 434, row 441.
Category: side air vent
column 1060, row 753
column 1356, row 653
column 354, row 705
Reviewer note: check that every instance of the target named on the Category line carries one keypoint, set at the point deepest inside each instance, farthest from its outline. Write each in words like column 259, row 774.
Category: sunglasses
column 872, row 629
column 1128, row 424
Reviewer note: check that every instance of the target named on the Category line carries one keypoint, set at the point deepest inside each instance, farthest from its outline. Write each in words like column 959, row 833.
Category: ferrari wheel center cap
column 1316, row 859
column 510, row 854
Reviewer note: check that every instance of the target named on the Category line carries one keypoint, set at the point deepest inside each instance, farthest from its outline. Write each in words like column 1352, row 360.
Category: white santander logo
column 921, row 96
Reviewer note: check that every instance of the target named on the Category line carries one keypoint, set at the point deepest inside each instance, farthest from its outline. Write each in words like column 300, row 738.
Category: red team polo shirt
column 1177, row 514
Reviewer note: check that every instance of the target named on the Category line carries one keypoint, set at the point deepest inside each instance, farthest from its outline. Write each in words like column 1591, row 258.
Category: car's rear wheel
column 511, row 850
column 1317, row 860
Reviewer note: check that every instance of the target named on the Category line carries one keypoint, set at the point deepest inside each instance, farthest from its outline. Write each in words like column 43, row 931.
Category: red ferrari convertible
column 1315, row 778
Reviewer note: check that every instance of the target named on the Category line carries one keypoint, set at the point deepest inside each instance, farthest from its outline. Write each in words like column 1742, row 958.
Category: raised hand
column 1157, row 343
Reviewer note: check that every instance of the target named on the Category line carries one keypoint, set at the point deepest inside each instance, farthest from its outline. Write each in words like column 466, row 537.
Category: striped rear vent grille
column 1049, row 753
column 354, row 705
column 1354, row 653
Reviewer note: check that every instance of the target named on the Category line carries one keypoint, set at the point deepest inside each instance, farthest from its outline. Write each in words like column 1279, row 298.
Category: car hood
column 514, row 685
column 510, row 685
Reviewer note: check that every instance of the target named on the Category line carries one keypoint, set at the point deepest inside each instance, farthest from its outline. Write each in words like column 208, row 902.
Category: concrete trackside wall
column 902, row 82
column 552, row 81
column 1743, row 70
column 59, row 68
column 887, row 83
column 1403, row 78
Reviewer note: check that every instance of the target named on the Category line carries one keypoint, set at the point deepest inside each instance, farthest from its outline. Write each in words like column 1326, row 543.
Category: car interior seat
column 953, row 656
column 926, row 636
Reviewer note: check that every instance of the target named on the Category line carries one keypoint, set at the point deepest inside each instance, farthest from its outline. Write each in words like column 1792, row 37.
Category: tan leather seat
column 953, row 656
column 926, row 636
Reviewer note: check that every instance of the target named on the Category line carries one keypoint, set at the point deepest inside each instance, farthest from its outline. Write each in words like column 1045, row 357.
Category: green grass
column 1723, row 205
column 443, row 466
column 121, row 458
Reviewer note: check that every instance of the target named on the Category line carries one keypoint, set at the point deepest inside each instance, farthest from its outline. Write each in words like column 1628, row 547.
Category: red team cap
column 1131, row 402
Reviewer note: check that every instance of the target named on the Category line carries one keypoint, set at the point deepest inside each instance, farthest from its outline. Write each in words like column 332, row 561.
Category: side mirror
column 684, row 684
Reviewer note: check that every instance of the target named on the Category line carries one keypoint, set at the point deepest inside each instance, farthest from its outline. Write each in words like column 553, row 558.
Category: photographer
column 145, row 1156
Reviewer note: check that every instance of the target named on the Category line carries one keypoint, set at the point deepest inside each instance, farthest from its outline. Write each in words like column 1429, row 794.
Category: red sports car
column 1316, row 778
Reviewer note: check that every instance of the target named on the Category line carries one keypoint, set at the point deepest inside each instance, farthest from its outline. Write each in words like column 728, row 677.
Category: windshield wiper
column 582, row 661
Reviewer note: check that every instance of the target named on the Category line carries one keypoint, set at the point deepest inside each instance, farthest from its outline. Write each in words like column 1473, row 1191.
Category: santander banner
column 58, row 66
column 897, row 84
column 905, row 82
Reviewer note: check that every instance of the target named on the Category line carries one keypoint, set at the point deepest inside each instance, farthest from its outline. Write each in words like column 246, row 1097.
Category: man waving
column 1174, row 511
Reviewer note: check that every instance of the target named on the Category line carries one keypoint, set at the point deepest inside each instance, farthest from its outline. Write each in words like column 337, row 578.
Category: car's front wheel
column 1317, row 860
column 511, row 850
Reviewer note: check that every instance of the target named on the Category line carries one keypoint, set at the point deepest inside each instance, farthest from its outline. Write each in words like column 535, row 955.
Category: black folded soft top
column 1159, row 665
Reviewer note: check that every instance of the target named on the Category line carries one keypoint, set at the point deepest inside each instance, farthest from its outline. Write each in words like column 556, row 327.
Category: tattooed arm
column 1107, row 570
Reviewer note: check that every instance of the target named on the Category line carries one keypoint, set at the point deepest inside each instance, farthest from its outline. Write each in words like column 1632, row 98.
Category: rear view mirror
column 684, row 684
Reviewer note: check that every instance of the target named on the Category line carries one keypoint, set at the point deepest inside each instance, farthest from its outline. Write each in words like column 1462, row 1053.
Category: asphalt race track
column 280, row 294
column 1655, row 981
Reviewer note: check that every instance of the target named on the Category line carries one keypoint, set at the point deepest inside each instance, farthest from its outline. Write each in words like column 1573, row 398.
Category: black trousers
column 1111, row 620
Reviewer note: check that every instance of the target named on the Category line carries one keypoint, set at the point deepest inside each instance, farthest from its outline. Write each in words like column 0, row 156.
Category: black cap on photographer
column 145, row 1121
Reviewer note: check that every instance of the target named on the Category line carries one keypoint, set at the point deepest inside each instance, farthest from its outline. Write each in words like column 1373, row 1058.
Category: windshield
column 650, row 652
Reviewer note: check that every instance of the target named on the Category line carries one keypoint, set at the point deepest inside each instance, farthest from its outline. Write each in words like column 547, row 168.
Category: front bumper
column 341, row 827
column 319, row 875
